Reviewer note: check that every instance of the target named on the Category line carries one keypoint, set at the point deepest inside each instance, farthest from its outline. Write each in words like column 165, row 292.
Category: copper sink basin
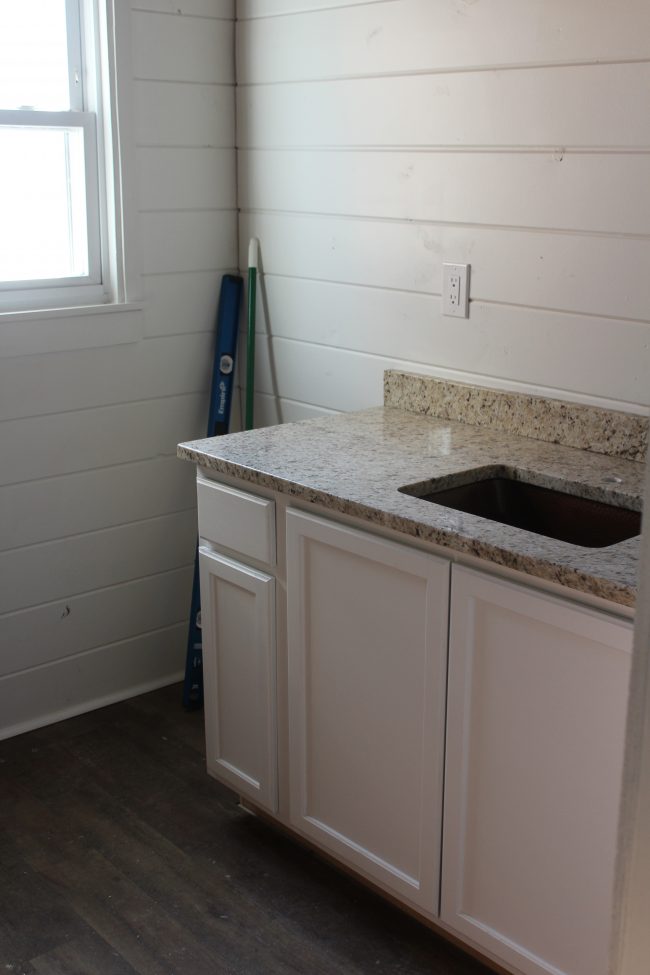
column 508, row 499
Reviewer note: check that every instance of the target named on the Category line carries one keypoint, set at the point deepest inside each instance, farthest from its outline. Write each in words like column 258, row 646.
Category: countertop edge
column 538, row 567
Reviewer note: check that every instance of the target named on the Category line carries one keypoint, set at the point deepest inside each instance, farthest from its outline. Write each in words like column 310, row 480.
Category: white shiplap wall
column 378, row 139
column 97, row 524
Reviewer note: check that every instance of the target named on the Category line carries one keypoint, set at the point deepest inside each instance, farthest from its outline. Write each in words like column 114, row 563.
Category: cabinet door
column 367, row 631
column 239, row 677
column 536, row 720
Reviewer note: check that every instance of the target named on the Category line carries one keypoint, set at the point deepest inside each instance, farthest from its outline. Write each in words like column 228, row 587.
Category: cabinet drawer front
column 236, row 520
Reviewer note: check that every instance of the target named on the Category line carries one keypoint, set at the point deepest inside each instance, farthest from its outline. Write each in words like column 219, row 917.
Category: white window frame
column 96, row 29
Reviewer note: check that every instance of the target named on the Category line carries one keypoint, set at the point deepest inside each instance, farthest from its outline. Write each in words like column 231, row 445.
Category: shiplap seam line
column 89, row 650
column 99, row 589
column 184, row 147
column 420, row 222
column 160, row 455
column 473, row 378
column 188, row 210
column 349, row 284
column 297, row 402
column 436, row 295
column 182, row 16
column 183, row 81
column 107, row 406
column 195, row 331
column 99, row 348
column 233, row 269
column 98, row 531
column 194, row 270
column 74, row 593
column 175, row 335
column 432, row 149
column 311, row 10
column 562, row 311
column 355, row 350
column 429, row 72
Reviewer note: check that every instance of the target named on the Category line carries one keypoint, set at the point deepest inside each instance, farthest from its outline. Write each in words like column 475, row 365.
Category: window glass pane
column 33, row 55
column 43, row 231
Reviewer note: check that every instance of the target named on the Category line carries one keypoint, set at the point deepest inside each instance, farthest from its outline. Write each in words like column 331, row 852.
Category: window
column 53, row 235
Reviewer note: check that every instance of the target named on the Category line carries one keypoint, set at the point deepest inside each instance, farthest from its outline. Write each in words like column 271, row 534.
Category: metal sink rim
column 549, row 507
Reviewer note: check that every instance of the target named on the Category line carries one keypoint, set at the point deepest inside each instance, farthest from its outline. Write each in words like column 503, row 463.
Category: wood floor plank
column 89, row 955
column 163, row 713
column 209, row 900
column 33, row 919
column 134, row 924
column 124, row 857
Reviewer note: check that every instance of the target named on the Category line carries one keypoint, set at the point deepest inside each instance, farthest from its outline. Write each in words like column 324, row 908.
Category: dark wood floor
column 119, row 855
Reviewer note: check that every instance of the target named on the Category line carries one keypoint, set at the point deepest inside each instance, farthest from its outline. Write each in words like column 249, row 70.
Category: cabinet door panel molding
column 239, row 676
column 535, row 731
column 367, row 636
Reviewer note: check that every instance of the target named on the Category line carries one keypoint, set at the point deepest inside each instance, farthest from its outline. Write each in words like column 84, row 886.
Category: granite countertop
column 354, row 463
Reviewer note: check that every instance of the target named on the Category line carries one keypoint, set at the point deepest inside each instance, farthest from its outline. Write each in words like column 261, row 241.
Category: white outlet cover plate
column 455, row 290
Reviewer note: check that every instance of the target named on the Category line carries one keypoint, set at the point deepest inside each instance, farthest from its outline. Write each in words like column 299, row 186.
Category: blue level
column 223, row 381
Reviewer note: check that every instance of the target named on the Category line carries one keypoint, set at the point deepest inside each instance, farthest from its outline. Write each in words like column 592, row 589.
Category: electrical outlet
column 455, row 290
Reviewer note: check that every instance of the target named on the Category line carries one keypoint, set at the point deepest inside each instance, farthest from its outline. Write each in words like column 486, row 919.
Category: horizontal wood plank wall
column 379, row 138
column 98, row 524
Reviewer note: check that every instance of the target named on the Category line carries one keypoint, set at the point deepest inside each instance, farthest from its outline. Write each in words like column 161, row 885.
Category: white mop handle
column 253, row 251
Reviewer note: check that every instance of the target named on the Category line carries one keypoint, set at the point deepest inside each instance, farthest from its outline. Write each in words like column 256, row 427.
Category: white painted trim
column 91, row 705
column 119, row 152
column 39, row 314
column 68, row 329
column 109, row 153
column 108, row 94
column 84, row 287
column 631, row 943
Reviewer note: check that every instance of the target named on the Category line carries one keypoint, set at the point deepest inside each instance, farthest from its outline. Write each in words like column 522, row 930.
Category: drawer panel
column 236, row 519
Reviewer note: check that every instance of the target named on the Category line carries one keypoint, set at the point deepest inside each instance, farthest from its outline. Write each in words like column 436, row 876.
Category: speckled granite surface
column 354, row 463
column 554, row 421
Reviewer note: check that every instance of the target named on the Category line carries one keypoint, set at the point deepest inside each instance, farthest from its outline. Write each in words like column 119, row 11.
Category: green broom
column 253, row 252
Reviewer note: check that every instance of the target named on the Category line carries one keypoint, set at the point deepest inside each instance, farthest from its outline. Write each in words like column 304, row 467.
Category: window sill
column 47, row 330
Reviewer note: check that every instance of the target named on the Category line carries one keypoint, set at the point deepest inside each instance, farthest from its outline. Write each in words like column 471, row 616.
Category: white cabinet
column 239, row 639
column 367, row 645
column 536, row 720
column 239, row 676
